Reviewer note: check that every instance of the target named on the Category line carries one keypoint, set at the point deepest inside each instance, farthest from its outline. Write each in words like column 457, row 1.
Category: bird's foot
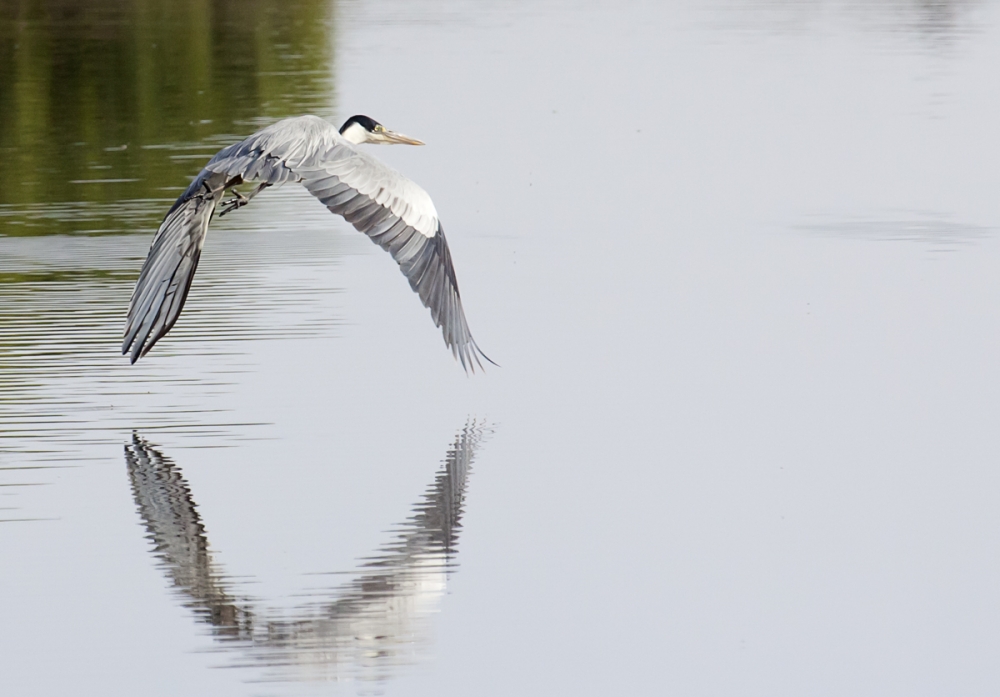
column 237, row 201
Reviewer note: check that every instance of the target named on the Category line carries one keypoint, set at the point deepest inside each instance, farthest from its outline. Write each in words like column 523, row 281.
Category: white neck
column 356, row 133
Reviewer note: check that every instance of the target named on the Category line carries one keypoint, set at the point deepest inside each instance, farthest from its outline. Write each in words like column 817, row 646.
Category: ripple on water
column 265, row 274
column 938, row 231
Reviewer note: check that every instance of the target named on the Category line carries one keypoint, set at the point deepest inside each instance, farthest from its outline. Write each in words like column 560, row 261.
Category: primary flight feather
column 394, row 212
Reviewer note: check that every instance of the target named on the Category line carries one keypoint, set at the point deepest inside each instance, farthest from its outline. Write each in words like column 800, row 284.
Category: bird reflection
column 365, row 629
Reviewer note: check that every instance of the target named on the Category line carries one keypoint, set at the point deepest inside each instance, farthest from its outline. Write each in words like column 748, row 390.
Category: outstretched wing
column 173, row 257
column 169, row 268
column 393, row 211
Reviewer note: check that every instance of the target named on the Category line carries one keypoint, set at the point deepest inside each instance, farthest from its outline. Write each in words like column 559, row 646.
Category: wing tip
column 135, row 354
column 135, row 347
column 469, row 356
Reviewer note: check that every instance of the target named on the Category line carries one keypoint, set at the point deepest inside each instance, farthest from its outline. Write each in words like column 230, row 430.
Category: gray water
column 737, row 261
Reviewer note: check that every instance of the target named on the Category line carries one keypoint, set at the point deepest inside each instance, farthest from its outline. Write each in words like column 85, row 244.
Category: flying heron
column 394, row 212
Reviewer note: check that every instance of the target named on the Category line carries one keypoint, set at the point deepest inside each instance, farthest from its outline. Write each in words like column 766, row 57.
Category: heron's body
column 394, row 212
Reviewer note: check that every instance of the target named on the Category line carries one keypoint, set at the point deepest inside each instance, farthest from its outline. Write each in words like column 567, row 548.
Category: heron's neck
column 355, row 133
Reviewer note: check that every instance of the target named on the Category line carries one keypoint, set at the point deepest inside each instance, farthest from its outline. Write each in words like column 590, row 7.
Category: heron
column 391, row 210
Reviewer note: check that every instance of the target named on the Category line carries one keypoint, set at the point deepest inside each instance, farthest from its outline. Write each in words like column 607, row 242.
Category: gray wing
column 393, row 211
column 169, row 268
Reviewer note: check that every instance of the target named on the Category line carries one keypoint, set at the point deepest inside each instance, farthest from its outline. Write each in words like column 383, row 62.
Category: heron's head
column 362, row 129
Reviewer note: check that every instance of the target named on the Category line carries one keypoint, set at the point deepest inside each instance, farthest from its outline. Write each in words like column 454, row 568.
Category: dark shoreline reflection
column 108, row 108
column 364, row 629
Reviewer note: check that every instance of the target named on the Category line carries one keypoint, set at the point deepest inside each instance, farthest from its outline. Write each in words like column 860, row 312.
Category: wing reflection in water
column 365, row 629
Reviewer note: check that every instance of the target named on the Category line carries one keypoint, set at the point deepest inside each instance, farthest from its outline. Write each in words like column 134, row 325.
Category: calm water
column 738, row 261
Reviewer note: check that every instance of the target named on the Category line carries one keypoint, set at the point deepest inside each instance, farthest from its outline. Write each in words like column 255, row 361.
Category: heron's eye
column 379, row 128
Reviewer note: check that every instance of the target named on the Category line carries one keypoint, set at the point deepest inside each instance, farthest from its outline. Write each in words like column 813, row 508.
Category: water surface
column 737, row 260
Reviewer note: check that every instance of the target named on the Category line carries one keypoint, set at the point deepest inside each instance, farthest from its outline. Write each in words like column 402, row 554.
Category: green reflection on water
column 109, row 101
